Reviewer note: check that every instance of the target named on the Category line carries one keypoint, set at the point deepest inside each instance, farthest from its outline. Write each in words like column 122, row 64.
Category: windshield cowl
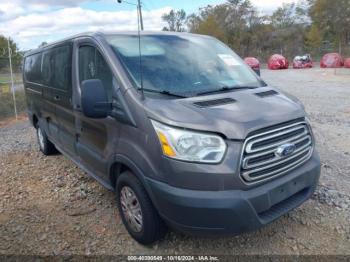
column 226, row 89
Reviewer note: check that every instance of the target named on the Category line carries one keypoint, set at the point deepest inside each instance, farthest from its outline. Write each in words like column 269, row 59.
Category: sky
column 31, row 22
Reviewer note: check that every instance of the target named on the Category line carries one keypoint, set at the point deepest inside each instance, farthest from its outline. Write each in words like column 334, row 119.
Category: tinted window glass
column 57, row 67
column 32, row 68
column 93, row 66
column 46, row 68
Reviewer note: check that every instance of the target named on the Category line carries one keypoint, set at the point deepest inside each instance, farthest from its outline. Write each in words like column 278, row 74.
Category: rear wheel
column 137, row 211
column 45, row 146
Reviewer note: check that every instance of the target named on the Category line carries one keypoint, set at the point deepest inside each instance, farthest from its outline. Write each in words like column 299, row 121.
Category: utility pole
column 139, row 11
column 12, row 84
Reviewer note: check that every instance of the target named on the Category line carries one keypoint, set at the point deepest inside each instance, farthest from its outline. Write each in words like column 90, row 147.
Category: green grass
column 6, row 78
column 6, row 104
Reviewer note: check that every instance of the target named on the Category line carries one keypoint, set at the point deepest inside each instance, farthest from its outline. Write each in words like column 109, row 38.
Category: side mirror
column 94, row 99
column 257, row 71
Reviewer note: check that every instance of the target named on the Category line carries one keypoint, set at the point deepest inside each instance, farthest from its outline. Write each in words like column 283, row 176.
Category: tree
column 283, row 17
column 238, row 24
column 289, row 24
column 313, row 39
column 176, row 20
column 4, row 53
column 211, row 27
column 292, row 29
column 332, row 20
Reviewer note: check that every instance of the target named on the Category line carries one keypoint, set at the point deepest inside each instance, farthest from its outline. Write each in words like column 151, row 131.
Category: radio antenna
column 139, row 24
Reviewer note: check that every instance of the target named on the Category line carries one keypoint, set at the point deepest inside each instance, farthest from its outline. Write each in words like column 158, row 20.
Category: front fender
column 120, row 159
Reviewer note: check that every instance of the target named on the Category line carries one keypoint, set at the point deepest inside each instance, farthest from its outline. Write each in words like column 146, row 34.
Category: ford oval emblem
column 285, row 150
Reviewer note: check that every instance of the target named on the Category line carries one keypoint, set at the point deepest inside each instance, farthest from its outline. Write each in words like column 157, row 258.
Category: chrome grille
column 261, row 157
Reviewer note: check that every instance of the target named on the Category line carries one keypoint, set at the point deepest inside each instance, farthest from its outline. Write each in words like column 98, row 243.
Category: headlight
column 308, row 122
column 189, row 145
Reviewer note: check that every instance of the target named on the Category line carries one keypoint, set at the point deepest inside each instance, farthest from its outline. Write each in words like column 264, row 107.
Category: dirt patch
column 12, row 120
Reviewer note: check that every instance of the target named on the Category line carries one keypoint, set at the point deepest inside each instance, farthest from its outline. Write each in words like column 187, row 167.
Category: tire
column 152, row 227
column 45, row 146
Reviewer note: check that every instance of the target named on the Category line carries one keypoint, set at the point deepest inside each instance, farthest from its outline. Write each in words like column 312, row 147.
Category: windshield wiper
column 163, row 92
column 226, row 89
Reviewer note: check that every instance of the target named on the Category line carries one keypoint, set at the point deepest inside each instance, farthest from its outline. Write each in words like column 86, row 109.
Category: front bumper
column 234, row 211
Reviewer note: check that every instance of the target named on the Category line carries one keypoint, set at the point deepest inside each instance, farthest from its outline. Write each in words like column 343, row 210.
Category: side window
column 93, row 66
column 46, row 68
column 62, row 66
column 32, row 68
column 57, row 67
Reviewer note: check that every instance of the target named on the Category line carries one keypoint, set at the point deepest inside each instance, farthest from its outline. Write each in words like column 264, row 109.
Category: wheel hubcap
column 131, row 208
column 41, row 138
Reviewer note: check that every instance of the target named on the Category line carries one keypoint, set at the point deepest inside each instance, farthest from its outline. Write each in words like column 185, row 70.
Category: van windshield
column 182, row 64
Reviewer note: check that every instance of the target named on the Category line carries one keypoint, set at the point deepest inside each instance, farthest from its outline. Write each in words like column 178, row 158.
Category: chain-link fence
column 9, row 102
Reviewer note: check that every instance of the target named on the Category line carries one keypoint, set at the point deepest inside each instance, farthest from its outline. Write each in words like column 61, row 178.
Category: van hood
column 242, row 111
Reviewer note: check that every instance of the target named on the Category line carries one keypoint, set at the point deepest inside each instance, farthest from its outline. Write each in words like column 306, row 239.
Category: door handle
column 56, row 98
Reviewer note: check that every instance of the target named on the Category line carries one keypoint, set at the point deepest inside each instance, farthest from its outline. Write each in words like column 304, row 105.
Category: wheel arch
column 122, row 163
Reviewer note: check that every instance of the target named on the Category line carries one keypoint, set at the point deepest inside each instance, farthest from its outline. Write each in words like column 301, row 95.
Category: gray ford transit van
column 184, row 132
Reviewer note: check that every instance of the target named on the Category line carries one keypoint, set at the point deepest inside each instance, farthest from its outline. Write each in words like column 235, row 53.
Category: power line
column 146, row 6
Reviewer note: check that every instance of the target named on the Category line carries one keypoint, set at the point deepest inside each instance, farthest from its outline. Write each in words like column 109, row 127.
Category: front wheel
column 45, row 145
column 137, row 211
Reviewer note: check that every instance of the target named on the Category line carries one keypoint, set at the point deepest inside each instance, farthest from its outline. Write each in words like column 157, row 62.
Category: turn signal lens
column 167, row 150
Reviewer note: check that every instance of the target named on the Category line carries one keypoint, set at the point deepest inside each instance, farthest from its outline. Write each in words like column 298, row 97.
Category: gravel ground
column 49, row 206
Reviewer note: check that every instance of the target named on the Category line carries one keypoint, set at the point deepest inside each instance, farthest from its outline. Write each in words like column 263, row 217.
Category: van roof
column 105, row 33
